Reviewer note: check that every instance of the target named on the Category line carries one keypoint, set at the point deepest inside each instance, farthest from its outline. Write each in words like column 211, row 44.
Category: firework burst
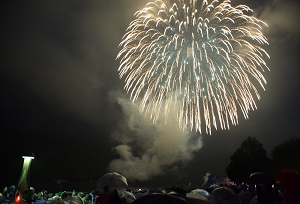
column 205, row 56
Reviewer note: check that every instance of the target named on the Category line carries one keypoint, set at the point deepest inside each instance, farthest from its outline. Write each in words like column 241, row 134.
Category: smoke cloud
column 147, row 149
column 282, row 18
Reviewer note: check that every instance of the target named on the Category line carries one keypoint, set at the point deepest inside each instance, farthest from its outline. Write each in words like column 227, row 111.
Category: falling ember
column 202, row 55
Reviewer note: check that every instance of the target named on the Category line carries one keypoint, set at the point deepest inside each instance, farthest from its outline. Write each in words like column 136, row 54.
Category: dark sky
column 62, row 99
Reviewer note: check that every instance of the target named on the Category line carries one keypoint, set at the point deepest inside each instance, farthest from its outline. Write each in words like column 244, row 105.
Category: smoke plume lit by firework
column 148, row 149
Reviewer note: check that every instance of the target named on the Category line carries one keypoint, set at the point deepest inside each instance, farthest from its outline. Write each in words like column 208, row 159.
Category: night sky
column 62, row 99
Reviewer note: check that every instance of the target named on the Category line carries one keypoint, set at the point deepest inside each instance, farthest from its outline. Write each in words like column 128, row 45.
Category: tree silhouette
column 286, row 155
column 249, row 158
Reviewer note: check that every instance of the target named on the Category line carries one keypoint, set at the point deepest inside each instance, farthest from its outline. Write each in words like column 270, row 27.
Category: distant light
column 28, row 155
column 18, row 198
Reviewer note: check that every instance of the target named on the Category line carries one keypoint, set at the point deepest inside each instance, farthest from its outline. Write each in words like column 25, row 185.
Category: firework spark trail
column 202, row 55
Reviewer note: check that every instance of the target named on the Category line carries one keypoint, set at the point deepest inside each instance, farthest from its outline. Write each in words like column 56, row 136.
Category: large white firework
column 205, row 56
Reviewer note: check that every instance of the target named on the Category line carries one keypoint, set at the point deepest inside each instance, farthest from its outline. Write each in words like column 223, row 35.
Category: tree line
column 251, row 157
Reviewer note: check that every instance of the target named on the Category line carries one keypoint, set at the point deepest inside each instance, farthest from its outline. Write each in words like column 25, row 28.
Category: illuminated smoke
column 148, row 149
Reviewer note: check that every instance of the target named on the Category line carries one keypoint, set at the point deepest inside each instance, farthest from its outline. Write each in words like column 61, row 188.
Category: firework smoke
column 148, row 149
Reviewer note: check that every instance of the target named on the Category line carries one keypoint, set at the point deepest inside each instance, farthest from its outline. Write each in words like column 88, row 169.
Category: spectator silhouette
column 115, row 197
column 105, row 197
